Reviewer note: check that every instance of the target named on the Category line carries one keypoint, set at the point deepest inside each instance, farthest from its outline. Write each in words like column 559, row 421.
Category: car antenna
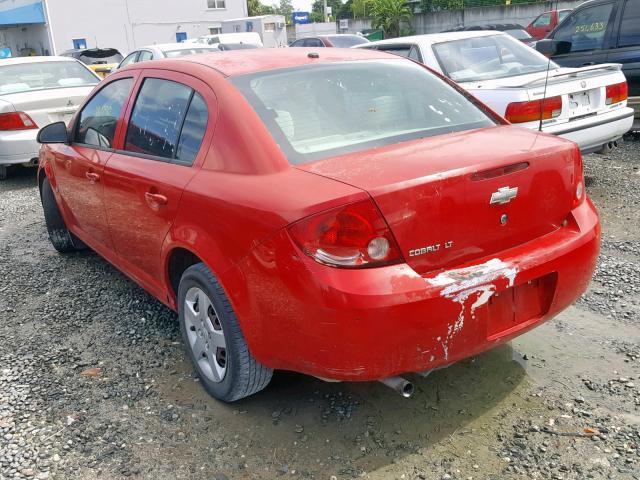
column 544, row 93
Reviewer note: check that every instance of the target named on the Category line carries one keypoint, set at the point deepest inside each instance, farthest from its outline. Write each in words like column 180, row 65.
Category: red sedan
column 346, row 214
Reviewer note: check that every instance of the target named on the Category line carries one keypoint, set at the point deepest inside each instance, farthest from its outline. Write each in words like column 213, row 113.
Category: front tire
column 61, row 238
column 213, row 339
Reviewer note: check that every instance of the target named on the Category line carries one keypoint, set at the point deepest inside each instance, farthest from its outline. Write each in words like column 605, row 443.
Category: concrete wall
column 127, row 24
column 438, row 21
column 275, row 38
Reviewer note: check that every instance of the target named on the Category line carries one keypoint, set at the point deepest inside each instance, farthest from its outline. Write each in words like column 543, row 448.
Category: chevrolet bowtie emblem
column 503, row 195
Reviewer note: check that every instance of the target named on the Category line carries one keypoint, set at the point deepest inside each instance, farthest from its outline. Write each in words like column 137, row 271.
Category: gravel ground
column 94, row 383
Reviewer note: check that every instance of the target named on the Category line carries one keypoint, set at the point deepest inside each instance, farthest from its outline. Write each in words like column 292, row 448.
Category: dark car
column 338, row 40
column 516, row 30
column 605, row 31
column 101, row 60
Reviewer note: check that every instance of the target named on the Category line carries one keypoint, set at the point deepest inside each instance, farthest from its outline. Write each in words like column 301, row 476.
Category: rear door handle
column 588, row 64
column 93, row 177
column 155, row 199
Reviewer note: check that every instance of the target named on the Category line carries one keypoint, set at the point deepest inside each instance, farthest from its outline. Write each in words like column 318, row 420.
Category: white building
column 49, row 27
column 271, row 28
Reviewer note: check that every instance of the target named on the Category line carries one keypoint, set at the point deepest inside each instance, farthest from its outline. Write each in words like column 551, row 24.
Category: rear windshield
column 487, row 58
column 188, row 51
column 519, row 34
column 318, row 111
column 44, row 75
column 346, row 41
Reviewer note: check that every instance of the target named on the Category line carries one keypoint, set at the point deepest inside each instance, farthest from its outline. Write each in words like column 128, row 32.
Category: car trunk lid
column 454, row 198
column 50, row 105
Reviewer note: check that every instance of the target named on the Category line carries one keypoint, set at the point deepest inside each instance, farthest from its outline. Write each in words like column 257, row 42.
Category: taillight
column 520, row 112
column 617, row 93
column 350, row 236
column 578, row 175
column 16, row 121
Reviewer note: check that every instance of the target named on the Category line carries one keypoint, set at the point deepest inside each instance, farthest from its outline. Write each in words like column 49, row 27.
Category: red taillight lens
column 617, row 93
column 520, row 112
column 16, row 121
column 350, row 236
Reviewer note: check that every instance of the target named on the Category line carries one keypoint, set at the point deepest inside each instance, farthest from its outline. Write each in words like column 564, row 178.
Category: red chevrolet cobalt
column 347, row 214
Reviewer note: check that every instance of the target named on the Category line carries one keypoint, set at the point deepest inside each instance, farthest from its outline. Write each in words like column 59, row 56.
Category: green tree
column 361, row 8
column 254, row 7
column 389, row 15
column 318, row 9
column 285, row 8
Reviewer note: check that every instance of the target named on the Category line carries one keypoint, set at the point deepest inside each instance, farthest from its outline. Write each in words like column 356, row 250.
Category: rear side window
column 630, row 25
column 318, row 111
column 99, row 118
column 585, row 29
column 168, row 121
column 195, row 124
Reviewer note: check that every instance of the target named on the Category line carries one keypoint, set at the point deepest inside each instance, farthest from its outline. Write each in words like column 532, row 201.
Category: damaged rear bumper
column 374, row 323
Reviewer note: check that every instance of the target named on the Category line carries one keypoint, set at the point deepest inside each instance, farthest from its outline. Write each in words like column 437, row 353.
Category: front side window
column 145, row 55
column 543, row 20
column 27, row 77
column 318, row 111
column 488, row 58
column 156, row 120
column 630, row 25
column 585, row 29
column 99, row 118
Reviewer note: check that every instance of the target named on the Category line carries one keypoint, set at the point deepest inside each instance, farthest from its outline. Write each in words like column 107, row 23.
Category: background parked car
column 101, row 60
column 338, row 40
column 515, row 30
column 166, row 50
column 34, row 92
column 605, row 31
column 585, row 105
column 545, row 22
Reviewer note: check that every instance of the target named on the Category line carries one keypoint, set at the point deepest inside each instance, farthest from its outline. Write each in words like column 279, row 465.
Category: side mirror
column 550, row 48
column 54, row 133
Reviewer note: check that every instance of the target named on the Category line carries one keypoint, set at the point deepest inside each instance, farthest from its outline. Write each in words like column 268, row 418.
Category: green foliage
column 361, row 8
column 388, row 15
column 318, row 8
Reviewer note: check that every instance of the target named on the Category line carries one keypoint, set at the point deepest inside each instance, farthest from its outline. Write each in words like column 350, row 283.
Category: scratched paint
column 470, row 282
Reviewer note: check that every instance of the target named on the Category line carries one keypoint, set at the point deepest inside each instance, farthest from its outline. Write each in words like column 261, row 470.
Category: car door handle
column 588, row 64
column 155, row 199
column 93, row 177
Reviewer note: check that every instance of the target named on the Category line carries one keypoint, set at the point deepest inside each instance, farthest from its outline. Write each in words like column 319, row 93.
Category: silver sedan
column 34, row 92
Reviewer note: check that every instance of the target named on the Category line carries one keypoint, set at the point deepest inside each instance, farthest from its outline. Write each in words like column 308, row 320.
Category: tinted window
column 562, row 14
column 298, row 43
column 313, row 42
column 318, row 111
column 585, row 28
column 131, row 58
column 630, row 25
column 543, row 20
column 99, row 118
column 157, row 118
column 402, row 50
column 195, row 124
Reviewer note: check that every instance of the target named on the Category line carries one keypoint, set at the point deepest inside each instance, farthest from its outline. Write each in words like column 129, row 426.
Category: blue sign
column 181, row 36
column 300, row 17
column 5, row 53
column 31, row 13
column 79, row 43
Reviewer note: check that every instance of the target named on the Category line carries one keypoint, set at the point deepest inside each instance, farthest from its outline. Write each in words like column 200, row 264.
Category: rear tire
column 213, row 339
column 61, row 238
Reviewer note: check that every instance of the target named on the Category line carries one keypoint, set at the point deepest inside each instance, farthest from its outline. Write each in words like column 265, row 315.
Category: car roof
column 240, row 62
column 177, row 46
column 435, row 37
column 23, row 60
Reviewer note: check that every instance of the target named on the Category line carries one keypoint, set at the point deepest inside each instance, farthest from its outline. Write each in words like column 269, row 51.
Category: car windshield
column 44, row 75
column 187, row 51
column 487, row 58
column 519, row 34
column 319, row 111
column 346, row 41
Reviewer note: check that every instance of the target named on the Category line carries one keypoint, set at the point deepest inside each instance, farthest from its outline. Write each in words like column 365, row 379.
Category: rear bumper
column 373, row 323
column 591, row 133
column 19, row 146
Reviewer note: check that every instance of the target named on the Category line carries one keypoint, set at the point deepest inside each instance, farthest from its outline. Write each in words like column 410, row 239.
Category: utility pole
column 326, row 17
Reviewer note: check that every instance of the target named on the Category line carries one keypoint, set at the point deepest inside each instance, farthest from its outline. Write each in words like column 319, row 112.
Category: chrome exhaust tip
column 400, row 385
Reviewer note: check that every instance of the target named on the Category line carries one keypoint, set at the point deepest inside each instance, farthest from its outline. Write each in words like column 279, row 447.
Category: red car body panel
column 539, row 32
column 232, row 207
